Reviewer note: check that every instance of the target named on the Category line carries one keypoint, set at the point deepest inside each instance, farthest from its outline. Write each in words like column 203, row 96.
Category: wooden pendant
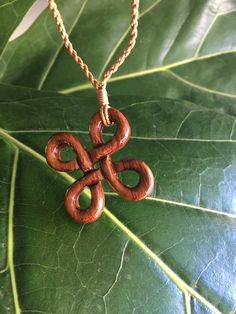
column 86, row 161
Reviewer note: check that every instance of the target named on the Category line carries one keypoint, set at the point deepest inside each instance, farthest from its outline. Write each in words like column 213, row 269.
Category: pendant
column 92, row 178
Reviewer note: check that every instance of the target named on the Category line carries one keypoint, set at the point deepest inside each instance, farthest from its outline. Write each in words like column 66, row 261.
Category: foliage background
column 171, row 253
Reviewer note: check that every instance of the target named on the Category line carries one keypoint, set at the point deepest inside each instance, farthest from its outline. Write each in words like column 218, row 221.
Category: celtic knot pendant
column 92, row 178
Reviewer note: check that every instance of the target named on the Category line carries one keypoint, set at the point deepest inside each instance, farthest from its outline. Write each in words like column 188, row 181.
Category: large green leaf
column 171, row 253
column 185, row 49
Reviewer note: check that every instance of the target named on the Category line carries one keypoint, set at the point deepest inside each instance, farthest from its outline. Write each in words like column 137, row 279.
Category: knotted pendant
column 92, row 178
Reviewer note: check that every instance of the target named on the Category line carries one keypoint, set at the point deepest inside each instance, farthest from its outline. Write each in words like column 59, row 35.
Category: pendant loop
column 108, row 170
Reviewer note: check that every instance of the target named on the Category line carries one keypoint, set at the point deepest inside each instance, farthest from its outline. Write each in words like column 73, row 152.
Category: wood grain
column 92, row 178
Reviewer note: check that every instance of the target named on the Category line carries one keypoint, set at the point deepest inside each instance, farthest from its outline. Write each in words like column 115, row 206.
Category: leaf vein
column 10, row 231
column 86, row 86
column 119, row 42
column 180, row 283
column 45, row 75
column 205, row 89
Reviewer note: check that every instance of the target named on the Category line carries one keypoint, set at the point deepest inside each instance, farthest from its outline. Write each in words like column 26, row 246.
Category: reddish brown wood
column 92, row 180
column 108, row 170
column 119, row 140
column 53, row 153
column 146, row 179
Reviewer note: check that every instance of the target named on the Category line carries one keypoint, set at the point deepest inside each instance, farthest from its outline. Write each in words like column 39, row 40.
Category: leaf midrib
column 45, row 75
column 10, row 246
column 131, row 137
column 163, row 68
column 157, row 69
column 181, row 284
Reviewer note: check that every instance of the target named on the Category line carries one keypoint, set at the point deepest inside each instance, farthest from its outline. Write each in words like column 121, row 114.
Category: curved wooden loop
column 143, row 187
column 53, row 153
column 119, row 140
column 93, row 212
column 108, row 170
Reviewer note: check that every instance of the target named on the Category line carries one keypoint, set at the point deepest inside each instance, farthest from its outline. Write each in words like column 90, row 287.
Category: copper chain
column 99, row 85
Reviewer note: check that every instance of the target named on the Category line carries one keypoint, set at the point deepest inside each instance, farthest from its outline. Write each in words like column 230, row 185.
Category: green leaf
column 11, row 13
column 170, row 253
column 174, row 251
column 185, row 49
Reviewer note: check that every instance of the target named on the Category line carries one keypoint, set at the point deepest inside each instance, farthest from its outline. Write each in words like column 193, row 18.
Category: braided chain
column 99, row 85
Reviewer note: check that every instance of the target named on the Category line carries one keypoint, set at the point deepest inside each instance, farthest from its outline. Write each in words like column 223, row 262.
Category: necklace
column 101, row 152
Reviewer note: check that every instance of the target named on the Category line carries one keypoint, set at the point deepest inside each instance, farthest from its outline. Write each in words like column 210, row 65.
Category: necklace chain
column 99, row 85
column 69, row 46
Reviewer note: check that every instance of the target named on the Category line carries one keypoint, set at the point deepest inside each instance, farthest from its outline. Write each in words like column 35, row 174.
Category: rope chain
column 99, row 85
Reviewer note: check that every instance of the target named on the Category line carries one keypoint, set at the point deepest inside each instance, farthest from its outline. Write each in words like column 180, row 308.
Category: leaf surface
column 174, row 251
column 11, row 14
column 169, row 253
column 181, row 49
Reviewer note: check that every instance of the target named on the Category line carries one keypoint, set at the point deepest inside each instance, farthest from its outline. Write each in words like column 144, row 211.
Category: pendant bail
column 104, row 104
